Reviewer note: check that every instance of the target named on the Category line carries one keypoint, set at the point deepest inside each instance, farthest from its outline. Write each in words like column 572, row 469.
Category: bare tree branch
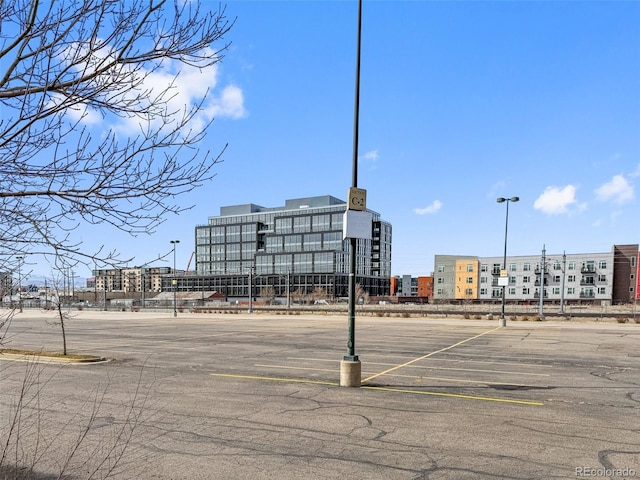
column 69, row 66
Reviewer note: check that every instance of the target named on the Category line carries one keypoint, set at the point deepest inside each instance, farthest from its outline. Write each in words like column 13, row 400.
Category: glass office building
column 297, row 247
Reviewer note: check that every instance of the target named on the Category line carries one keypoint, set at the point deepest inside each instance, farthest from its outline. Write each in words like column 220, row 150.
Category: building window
column 512, row 267
column 556, row 278
column 483, row 291
column 525, row 290
column 440, row 280
column 571, row 290
column 483, row 279
column 512, row 280
column 283, row 225
column 526, row 267
column 572, row 265
column 484, row 267
column 321, row 222
column 440, row 268
column 439, row 291
column 602, row 290
column 512, row 291
column 468, row 292
column 556, row 290
column 469, row 279
column 602, row 278
column 633, row 261
column 469, row 267
column 571, row 278
column 526, row 279
column 302, row 224
column 602, row 264
column 293, row 243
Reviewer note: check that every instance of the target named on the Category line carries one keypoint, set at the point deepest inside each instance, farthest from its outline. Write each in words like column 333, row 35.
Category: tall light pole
column 174, row 282
column 350, row 366
column 503, row 319
column 20, row 282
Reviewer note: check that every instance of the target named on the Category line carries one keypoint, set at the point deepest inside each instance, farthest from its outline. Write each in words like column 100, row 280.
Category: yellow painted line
column 507, row 372
column 383, row 389
column 416, row 377
column 456, row 395
column 272, row 379
column 430, row 354
column 286, row 367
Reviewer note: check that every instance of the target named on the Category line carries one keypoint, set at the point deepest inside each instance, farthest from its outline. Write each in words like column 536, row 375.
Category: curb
column 38, row 358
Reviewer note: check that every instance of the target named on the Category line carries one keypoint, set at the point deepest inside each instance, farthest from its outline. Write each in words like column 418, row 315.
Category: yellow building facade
column 466, row 279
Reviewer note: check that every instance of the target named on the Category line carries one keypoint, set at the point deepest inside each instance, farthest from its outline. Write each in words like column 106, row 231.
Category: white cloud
column 175, row 87
column 372, row 156
column 636, row 172
column 433, row 208
column 618, row 190
column 555, row 200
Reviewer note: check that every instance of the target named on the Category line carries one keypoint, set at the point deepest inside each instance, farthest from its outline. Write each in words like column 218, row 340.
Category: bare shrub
column 35, row 445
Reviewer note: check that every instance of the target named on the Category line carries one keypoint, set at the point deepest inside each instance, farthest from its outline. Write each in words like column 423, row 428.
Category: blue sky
column 461, row 102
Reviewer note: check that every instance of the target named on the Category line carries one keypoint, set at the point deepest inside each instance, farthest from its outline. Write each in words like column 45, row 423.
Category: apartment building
column 130, row 279
column 571, row 278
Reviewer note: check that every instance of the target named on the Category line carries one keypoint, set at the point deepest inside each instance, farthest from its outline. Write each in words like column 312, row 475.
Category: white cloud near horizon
column 433, row 208
column 556, row 200
column 618, row 190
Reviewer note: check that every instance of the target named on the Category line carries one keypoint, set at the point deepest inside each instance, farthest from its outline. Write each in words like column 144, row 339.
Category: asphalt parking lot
column 257, row 396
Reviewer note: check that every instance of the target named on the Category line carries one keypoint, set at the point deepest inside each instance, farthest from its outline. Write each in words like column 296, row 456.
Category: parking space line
column 383, row 389
column 429, row 355
column 456, row 395
column 417, row 376
column 272, row 379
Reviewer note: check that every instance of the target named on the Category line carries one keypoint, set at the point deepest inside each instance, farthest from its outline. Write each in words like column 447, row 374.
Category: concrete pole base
column 503, row 322
column 350, row 373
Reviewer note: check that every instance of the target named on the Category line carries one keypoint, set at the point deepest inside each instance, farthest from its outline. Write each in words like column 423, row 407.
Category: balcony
column 588, row 269
column 588, row 294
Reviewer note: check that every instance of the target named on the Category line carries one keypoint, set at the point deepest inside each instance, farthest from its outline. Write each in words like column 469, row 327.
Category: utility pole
column 20, row 282
column 288, row 287
column 250, row 289
column 175, row 279
column 564, row 269
column 543, row 268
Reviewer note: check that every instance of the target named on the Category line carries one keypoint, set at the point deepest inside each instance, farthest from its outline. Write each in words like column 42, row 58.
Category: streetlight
column 503, row 320
column 350, row 366
column 174, row 282
column 20, row 282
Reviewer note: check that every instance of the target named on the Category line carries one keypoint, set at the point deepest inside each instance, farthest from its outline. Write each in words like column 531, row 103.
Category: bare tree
column 268, row 294
column 318, row 294
column 362, row 296
column 94, row 127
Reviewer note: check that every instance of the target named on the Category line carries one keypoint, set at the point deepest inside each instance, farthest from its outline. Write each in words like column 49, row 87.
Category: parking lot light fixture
column 503, row 319
column 174, row 282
